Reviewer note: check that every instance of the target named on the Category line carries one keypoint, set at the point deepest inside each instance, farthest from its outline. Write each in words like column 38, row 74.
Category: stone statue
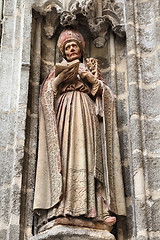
column 78, row 169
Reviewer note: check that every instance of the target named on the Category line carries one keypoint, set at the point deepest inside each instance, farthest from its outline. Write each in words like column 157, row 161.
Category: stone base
column 76, row 222
column 73, row 233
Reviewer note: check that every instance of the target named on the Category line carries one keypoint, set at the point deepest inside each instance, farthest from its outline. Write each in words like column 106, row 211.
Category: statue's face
column 72, row 51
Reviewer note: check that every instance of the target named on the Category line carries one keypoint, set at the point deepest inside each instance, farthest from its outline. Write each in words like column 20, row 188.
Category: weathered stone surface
column 142, row 15
column 151, row 99
column 134, row 94
column 67, row 233
column 150, row 69
column 153, row 211
column 3, row 233
column 122, row 112
column 136, row 134
column 121, row 88
column 152, row 173
column 136, row 86
column 127, row 176
column 124, row 144
column 130, row 221
column 152, row 140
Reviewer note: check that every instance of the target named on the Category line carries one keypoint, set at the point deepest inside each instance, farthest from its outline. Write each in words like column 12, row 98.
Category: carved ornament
column 99, row 15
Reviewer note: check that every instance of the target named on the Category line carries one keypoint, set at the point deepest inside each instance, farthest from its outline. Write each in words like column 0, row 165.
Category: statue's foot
column 110, row 221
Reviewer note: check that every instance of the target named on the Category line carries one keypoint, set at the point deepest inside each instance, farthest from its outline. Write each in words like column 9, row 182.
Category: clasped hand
column 71, row 74
column 88, row 75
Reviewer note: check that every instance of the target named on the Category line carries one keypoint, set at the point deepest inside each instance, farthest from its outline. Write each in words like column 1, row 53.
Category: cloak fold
column 48, row 188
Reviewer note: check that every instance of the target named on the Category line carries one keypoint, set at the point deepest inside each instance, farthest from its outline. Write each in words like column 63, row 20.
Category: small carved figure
column 78, row 169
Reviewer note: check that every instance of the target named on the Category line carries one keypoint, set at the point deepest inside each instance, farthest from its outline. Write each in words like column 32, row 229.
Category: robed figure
column 79, row 168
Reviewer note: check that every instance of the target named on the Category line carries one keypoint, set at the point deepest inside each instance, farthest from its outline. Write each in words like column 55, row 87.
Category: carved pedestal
column 73, row 233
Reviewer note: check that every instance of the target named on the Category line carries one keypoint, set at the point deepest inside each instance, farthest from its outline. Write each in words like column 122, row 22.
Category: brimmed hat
column 68, row 36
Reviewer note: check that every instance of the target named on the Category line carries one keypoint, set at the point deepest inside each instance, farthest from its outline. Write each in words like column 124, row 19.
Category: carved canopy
column 99, row 15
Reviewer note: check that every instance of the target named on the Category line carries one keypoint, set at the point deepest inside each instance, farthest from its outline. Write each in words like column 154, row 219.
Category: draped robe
column 79, row 167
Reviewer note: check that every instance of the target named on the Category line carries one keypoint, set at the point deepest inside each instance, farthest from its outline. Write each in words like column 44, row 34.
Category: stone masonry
column 131, row 68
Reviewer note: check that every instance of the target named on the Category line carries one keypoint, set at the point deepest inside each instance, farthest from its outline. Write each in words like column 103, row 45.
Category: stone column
column 143, row 71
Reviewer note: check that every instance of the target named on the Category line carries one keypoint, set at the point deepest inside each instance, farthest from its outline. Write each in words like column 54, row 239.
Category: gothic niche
column 98, row 22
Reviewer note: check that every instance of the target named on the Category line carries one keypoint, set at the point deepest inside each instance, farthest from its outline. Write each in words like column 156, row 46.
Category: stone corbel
column 51, row 23
column 51, row 11
column 100, row 16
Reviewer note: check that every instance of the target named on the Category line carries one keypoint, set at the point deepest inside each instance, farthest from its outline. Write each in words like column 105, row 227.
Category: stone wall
column 131, row 68
column 14, row 72
column 143, row 55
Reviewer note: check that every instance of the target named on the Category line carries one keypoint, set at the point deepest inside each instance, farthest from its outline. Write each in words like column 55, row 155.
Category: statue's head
column 71, row 44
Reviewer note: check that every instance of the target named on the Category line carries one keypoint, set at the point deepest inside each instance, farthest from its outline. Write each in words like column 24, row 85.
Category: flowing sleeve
column 96, row 86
